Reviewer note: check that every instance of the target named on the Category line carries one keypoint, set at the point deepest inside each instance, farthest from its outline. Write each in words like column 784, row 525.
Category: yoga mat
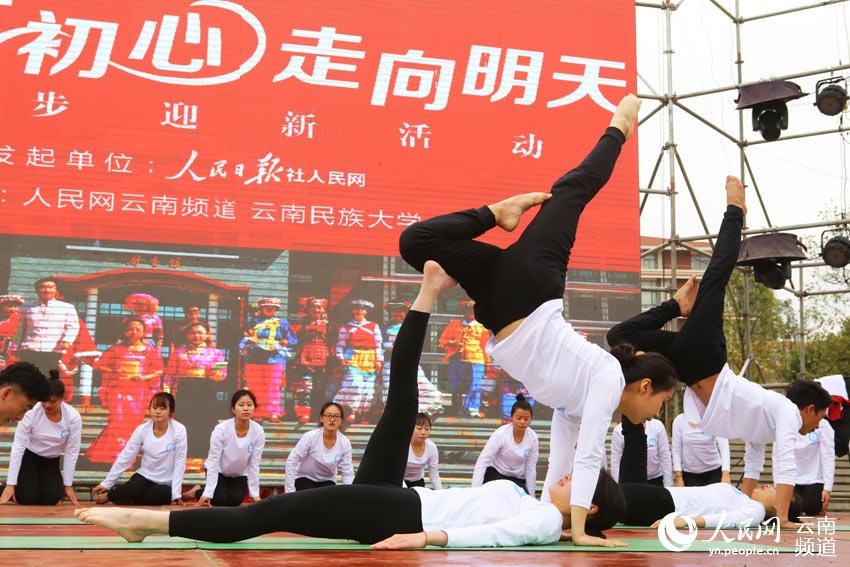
column 625, row 527
column 310, row 544
column 40, row 521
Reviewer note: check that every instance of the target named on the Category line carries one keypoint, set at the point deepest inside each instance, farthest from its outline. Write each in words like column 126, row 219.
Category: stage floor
column 20, row 534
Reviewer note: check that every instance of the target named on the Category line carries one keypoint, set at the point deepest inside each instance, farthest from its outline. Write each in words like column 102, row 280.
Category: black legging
column 810, row 494
column 645, row 502
column 230, row 490
column 139, row 491
column 702, row 479
column 508, row 285
column 304, row 483
column 699, row 349
column 491, row 474
column 39, row 480
column 382, row 506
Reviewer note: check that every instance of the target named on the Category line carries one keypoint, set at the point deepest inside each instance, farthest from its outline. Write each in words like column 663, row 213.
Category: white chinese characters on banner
column 180, row 115
column 589, row 82
column 296, row 125
column 49, row 104
column 484, row 64
column 528, row 146
column 437, row 80
column 323, row 51
column 411, row 133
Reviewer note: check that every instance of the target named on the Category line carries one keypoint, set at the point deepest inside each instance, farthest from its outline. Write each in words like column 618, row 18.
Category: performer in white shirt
column 21, row 385
column 698, row 458
column 49, row 431
column 717, row 400
column 519, row 294
column 713, row 505
column 423, row 452
column 496, row 514
column 320, row 454
column 48, row 327
column 159, row 478
column 659, row 466
column 236, row 449
column 511, row 452
column 815, row 468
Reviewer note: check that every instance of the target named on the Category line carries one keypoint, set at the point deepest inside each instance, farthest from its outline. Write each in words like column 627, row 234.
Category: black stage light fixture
column 831, row 96
column 767, row 99
column 836, row 251
column 771, row 255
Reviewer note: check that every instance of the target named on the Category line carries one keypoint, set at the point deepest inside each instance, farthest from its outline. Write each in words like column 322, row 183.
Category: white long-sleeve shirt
column 509, row 458
column 46, row 324
column 721, row 504
column 582, row 381
column 416, row 465
column 816, row 456
column 311, row 459
column 658, row 462
column 740, row 409
column 695, row 451
column 498, row 513
column 163, row 458
column 232, row 455
column 47, row 439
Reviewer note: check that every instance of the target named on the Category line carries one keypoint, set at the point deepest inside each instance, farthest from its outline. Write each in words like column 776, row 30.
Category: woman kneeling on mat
column 320, row 453
column 511, row 452
column 50, row 430
column 389, row 516
column 159, row 479
column 422, row 452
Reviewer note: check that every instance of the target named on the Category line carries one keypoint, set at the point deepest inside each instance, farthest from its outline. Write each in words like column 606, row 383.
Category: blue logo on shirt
column 704, row 435
column 250, row 448
column 65, row 433
column 526, row 453
column 814, row 436
column 519, row 490
column 170, row 447
column 651, row 441
column 338, row 459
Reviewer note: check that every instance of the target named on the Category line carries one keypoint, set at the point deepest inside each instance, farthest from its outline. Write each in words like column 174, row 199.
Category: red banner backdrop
column 319, row 126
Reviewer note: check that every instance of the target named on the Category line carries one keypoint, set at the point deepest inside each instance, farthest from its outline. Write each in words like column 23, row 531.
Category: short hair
column 163, row 400
column 203, row 324
column 610, row 505
column 28, row 378
column 423, row 419
column 805, row 393
column 239, row 394
column 521, row 403
column 39, row 281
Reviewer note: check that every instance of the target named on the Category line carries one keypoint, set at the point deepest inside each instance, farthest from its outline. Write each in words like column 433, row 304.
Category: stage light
column 770, row 113
column 830, row 96
column 836, row 252
column 770, row 256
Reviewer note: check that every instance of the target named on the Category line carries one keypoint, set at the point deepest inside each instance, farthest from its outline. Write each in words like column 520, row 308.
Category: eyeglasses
column 332, row 416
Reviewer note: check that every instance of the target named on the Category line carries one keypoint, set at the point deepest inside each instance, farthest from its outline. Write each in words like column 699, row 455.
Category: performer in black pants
column 496, row 514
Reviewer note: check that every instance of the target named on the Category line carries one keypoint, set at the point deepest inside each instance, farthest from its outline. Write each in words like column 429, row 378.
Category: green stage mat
column 311, row 544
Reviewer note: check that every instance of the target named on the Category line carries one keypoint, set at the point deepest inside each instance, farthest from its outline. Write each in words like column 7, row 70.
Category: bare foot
column 686, row 296
column 626, row 115
column 129, row 524
column 436, row 277
column 735, row 194
column 191, row 494
column 509, row 211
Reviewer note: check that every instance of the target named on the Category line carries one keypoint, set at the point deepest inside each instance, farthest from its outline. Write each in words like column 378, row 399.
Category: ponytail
column 652, row 365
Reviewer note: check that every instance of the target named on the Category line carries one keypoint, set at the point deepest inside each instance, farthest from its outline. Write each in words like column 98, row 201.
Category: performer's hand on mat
column 178, row 502
column 98, row 490
column 8, row 495
column 686, row 295
column 203, row 501
column 566, row 535
column 403, row 541
column 824, row 498
column 585, row 540
column 72, row 495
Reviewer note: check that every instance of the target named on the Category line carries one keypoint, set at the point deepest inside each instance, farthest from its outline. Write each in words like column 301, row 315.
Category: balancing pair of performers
column 518, row 293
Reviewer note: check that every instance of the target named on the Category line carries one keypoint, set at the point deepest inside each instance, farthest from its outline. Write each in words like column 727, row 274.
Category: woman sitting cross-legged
column 388, row 515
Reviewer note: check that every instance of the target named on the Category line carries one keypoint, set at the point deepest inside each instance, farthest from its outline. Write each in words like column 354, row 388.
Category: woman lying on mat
column 519, row 295
column 390, row 517
column 713, row 505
